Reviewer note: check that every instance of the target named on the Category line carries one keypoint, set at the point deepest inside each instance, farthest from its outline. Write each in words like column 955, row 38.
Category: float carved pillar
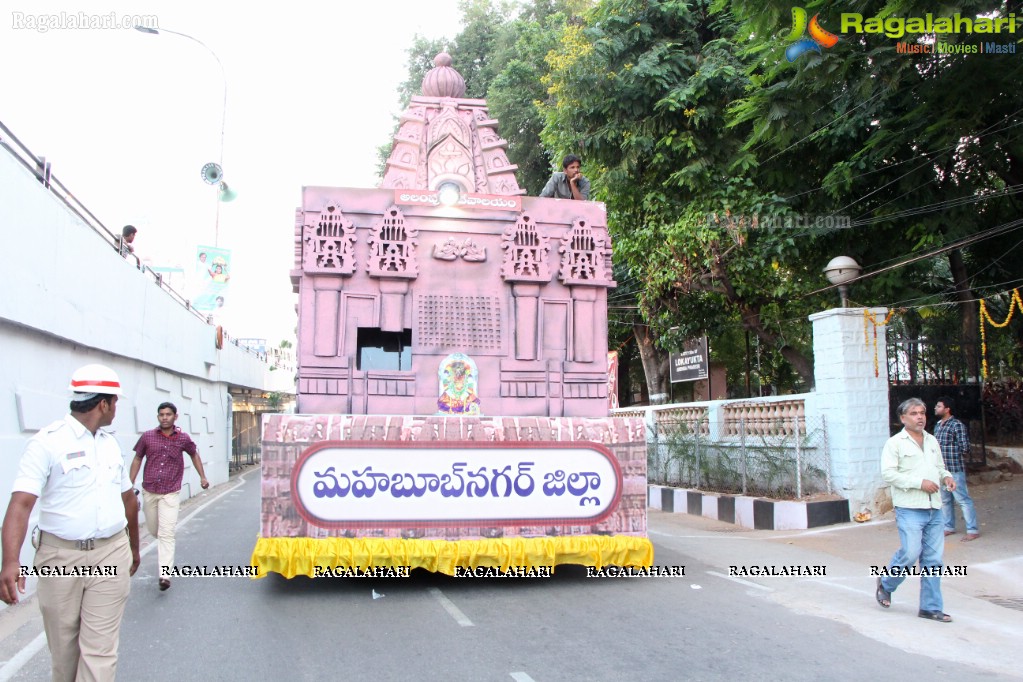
column 327, row 307
column 583, row 313
column 526, row 305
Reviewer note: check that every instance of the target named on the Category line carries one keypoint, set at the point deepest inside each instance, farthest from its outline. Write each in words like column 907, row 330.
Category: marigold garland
column 870, row 317
column 984, row 314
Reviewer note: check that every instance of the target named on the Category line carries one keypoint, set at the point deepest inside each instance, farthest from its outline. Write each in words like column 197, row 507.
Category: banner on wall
column 212, row 277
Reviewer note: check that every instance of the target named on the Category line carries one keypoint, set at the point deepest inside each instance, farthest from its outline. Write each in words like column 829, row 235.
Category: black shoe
column 936, row 615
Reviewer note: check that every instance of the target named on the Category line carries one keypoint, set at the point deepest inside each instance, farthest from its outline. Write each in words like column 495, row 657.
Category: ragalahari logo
column 818, row 36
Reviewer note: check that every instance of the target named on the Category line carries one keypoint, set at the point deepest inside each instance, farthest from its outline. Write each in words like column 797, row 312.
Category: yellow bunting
column 985, row 315
column 872, row 319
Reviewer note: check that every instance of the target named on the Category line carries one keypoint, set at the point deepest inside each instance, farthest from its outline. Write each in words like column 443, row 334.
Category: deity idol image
column 458, row 377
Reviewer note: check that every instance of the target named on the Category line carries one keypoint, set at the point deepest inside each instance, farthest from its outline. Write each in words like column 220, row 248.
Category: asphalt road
column 703, row 626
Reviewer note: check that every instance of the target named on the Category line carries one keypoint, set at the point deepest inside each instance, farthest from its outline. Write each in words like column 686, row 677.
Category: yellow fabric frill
column 301, row 556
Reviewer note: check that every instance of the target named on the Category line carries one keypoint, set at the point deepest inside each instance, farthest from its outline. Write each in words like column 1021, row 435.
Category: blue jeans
column 962, row 497
column 923, row 540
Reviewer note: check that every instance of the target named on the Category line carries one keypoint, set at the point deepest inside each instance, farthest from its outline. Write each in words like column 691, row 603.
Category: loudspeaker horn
column 226, row 193
column 212, row 173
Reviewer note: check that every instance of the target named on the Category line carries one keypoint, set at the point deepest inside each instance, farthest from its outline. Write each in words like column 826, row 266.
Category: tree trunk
column 799, row 362
column 751, row 320
column 655, row 364
column 624, row 377
column 968, row 313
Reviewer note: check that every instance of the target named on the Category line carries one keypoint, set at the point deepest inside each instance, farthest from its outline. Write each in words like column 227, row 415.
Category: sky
column 128, row 120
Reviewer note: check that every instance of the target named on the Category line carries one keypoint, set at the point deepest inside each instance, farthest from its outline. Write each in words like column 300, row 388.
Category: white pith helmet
column 95, row 379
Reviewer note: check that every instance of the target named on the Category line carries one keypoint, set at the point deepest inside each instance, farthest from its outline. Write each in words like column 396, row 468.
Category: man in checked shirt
column 955, row 444
column 161, row 448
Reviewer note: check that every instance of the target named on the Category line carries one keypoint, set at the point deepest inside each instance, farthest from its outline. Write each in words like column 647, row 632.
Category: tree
column 517, row 92
column 924, row 149
column 643, row 90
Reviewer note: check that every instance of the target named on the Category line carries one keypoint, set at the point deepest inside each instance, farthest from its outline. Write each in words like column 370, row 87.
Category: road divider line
column 700, row 537
column 450, row 607
column 521, row 677
column 747, row 583
column 829, row 529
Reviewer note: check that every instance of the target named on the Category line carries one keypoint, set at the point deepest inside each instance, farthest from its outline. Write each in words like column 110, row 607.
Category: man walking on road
column 161, row 448
column 955, row 445
column 911, row 463
column 84, row 558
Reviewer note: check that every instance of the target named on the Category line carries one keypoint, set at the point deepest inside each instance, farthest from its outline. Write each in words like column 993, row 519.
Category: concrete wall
column 67, row 299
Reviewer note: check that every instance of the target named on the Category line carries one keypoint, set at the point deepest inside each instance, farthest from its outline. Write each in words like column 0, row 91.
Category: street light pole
column 223, row 112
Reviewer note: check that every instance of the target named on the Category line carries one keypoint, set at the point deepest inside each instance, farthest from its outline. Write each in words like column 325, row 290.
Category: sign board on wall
column 692, row 363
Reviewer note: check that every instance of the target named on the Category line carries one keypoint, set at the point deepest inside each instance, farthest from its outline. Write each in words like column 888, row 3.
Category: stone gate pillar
column 854, row 403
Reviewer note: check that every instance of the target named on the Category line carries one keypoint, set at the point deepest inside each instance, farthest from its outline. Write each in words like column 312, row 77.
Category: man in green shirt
column 911, row 463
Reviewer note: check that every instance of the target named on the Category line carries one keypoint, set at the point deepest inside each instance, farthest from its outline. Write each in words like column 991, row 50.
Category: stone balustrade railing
column 693, row 417
column 776, row 418
column 728, row 419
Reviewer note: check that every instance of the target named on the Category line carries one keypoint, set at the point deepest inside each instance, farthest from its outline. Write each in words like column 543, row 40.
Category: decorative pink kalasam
column 391, row 281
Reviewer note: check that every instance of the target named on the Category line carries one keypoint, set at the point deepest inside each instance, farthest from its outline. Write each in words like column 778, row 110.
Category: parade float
column 453, row 384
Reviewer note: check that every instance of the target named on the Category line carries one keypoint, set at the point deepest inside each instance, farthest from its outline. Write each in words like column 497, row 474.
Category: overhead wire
column 966, row 241
column 936, row 152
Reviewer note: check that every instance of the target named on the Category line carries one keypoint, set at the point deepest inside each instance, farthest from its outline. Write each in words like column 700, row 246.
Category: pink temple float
column 453, row 381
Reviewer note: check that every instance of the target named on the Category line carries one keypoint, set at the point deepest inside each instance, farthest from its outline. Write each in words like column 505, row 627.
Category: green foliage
column 643, row 91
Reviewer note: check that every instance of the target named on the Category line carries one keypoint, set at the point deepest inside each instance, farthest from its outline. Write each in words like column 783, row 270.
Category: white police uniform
column 78, row 479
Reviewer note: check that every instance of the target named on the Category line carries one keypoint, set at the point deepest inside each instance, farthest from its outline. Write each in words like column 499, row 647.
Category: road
column 702, row 626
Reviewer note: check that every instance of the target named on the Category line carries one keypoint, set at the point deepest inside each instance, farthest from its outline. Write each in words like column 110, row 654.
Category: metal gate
column 930, row 369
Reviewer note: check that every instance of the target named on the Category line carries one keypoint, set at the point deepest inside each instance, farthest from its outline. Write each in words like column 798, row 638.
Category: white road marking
column 450, row 607
column 521, row 677
column 700, row 537
column 18, row 661
column 829, row 529
column 747, row 583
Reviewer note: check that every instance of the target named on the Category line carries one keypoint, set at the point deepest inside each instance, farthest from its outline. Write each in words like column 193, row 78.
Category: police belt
column 51, row 540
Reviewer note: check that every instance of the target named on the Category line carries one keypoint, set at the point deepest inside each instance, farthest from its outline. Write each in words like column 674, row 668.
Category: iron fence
column 246, row 456
column 781, row 460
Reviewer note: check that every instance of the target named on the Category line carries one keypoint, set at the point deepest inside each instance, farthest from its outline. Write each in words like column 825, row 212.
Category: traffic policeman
column 88, row 543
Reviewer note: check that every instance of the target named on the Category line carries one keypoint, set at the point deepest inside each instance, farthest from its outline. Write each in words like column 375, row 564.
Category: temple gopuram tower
column 448, row 257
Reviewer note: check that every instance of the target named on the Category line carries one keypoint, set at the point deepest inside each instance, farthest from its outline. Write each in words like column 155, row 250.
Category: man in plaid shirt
column 955, row 445
column 161, row 449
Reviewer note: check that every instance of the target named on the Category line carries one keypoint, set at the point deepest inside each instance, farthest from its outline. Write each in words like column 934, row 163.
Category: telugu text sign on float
column 405, row 197
column 361, row 484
